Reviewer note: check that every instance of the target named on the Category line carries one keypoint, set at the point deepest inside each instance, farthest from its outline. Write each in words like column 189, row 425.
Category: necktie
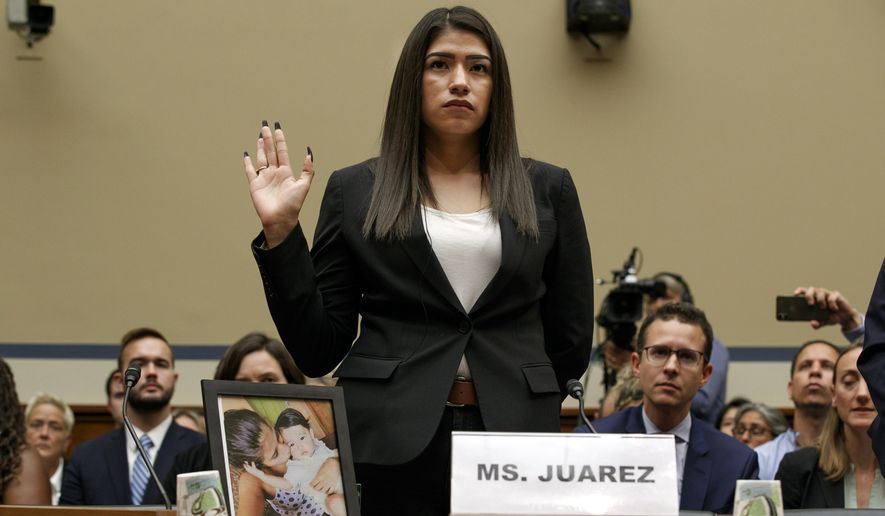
column 139, row 480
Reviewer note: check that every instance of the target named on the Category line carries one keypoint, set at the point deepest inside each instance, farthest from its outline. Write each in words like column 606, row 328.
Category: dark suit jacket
column 528, row 333
column 872, row 363
column 98, row 472
column 713, row 464
column 803, row 484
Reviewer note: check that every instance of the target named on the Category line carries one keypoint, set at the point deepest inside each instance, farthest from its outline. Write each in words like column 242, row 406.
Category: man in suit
column 108, row 470
column 710, row 399
column 48, row 425
column 672, row 363
column 872, row 363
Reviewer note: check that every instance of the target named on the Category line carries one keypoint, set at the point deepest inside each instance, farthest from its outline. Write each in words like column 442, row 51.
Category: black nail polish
column 276, row 125
column 264, row 123
column 310, row 153
column 245, row 154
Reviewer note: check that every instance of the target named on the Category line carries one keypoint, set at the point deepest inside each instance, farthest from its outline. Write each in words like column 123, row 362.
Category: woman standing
column 468, row 265
column 842, row 471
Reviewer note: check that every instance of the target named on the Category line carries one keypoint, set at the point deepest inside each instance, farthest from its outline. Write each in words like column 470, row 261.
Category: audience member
column 113, row 388
column 254, row 358
column 672, row 364
column 841, row 471
column 49, row 422
column 810, row 390
column 108, row 470
column 23, row 477
column 872, row 363
column 725, row 419
column 708, row 402
column 757, row 424
column 190, row 419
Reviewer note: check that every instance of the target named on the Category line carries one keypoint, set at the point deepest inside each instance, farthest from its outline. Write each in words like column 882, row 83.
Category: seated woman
column 725, row 420
column 841, row 471
column 756, row 424
column 23, row 477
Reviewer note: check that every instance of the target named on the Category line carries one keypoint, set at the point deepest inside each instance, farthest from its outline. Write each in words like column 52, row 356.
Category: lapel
column 420, row 251
column 163, row 462
column 635, row 424
column 512, row 248
column 698, row 465
column 833, row 493
column 117, row 462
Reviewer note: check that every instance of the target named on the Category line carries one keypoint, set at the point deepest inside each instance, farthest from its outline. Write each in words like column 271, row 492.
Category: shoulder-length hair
column 834, row 460
column 400, row 175
column 250, row 343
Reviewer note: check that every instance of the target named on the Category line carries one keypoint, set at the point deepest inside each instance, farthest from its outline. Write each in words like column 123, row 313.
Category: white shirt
column 157, row 434
column 468, row 247
column 55, row 481
column 682, row 431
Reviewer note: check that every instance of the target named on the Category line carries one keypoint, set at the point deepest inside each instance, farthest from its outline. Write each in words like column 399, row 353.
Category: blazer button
column 464, row 326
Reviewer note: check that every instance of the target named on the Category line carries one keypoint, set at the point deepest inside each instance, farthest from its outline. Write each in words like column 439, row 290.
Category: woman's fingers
column 247, row 165
column 267, row 140
column 280, row 142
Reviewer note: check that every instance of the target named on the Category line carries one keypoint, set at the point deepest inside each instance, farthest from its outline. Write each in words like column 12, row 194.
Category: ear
column 790, row 390
column 705, row 375
column 634, row 363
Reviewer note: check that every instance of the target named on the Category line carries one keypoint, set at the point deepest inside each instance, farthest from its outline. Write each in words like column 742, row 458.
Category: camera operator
column 710, row 399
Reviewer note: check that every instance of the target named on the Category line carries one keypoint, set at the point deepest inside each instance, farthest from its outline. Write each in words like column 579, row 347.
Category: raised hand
column 277, row 194
column 841, row 311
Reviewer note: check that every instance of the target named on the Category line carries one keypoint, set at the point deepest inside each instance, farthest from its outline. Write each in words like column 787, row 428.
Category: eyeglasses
column 687, row 358
column 755, row 430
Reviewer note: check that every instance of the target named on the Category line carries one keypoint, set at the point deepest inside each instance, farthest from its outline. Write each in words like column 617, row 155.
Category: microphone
column 130, row 378
column 576, row 390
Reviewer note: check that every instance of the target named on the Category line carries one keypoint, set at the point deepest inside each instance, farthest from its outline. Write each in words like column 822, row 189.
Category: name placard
column 555, row 474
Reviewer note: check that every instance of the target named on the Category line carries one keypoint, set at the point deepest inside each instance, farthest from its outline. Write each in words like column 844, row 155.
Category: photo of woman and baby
column 282, row 457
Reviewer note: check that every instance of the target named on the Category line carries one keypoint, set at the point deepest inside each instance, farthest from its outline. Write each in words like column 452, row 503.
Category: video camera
column 622, row 307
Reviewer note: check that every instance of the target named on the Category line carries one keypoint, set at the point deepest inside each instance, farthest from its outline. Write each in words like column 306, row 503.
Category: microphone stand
column 576, row 390
column 131, row 378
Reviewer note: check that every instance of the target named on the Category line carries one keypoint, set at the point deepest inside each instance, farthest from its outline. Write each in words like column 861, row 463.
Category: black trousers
column 420, row 487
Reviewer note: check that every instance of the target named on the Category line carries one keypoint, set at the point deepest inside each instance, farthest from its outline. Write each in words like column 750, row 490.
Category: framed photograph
column 281, row 449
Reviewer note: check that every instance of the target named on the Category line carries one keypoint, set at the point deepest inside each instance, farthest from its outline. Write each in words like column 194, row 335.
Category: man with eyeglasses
column 672, row 362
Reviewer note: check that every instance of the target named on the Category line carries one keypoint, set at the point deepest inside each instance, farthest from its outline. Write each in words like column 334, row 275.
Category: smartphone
column 796, row 308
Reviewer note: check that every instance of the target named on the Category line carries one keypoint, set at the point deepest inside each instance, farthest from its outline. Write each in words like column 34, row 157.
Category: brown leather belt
column 462, row 393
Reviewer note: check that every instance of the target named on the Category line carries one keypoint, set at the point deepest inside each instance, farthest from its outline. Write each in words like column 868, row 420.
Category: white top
column 157, row 434
column 55, row 481
column 468, row 247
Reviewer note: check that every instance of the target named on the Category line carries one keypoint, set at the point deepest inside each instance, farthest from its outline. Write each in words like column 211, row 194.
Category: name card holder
column 563, row 474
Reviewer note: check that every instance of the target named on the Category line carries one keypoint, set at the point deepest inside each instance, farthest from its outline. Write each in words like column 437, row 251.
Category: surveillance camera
column 30, row 19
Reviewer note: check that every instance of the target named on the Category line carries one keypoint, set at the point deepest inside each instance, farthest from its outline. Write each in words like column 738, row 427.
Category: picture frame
column 283, row 439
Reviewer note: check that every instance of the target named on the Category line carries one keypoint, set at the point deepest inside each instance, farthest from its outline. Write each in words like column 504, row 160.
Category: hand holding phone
column 796, row 308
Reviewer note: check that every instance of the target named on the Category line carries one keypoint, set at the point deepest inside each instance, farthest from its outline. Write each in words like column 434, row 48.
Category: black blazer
column 528, row 333
column 803, row 484
column 872, row 363
column 98, row 472
column 713, row 463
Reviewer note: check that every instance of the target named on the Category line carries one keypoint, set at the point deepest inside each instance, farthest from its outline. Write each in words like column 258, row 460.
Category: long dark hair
column 250, row 343
column 12, row 428
column 400, row 175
